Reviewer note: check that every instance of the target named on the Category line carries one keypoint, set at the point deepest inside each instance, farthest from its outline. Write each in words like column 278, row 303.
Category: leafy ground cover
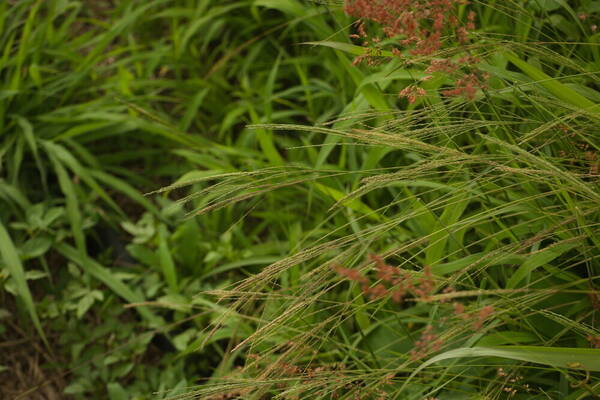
column 337, row 209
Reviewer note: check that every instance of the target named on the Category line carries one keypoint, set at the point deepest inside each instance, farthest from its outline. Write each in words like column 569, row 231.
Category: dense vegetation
column 296, row 199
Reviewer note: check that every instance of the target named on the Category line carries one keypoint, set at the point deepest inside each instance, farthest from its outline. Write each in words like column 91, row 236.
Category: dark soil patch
column 31, row 372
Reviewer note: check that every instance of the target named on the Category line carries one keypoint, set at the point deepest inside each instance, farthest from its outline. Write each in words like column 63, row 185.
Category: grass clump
column 462, row 263
column 349, row 210
column 102, row 102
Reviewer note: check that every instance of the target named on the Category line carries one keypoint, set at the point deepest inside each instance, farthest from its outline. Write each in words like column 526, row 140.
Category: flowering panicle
column 412, row 93
column 351, row 274
column 468, row 85
column 442, row 65
column 419, row 23
column 484, row 314
column 478, row 318
column 592, row 158
column 595, row 299
column 594, row 341
column 423, row 27
column 429, row 342
column 393, row 281
column 459, row 311
column 397, row 283
column 426, row 284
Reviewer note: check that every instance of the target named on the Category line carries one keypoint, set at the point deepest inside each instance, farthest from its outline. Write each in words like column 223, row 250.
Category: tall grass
column 101, row 102
column 301, row 197
column 486, row 211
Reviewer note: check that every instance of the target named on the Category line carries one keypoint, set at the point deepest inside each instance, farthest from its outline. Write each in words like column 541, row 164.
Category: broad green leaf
column 35, row 274
column 36, row 247
column 84, row 304
column 143, row 254
column 10, row 193
column 117, row 392
column 560, row 357
column 506, row 338
column 65, row 157
column 27, row 129
column 107, row 277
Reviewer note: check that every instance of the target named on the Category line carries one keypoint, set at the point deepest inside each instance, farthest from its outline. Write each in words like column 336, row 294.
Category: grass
column 279, row 158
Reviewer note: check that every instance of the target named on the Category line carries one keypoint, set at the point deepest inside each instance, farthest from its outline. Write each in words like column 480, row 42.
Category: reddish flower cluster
column 429, row 342
column 478, row 318
column 394, row 281
column 426, row 284
column 595, row 300
column 397, row 283
column 351, row 274
column 412, row 93
column 482, row 316
column 459, row 311
column 442, row 65
column 468, row 85
column 592, row 158
column 420, row 25
column 594, row 341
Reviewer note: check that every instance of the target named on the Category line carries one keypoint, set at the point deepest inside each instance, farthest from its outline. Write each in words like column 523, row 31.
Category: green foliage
column 499, row 196
column 279, row 158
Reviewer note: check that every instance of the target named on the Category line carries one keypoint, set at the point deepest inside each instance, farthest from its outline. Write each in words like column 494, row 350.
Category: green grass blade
column 17, row 272
column 72, row 204
column 537, row 260
column 66, row 158
column 440, row 235
column 11, row 193
column 350, row 48
column 24, row 46
column 560, row 357
column 265, row 137
column 166, row 261
column 29, row 134
column 554, row 86
column 126, row 189
column 353, row 204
